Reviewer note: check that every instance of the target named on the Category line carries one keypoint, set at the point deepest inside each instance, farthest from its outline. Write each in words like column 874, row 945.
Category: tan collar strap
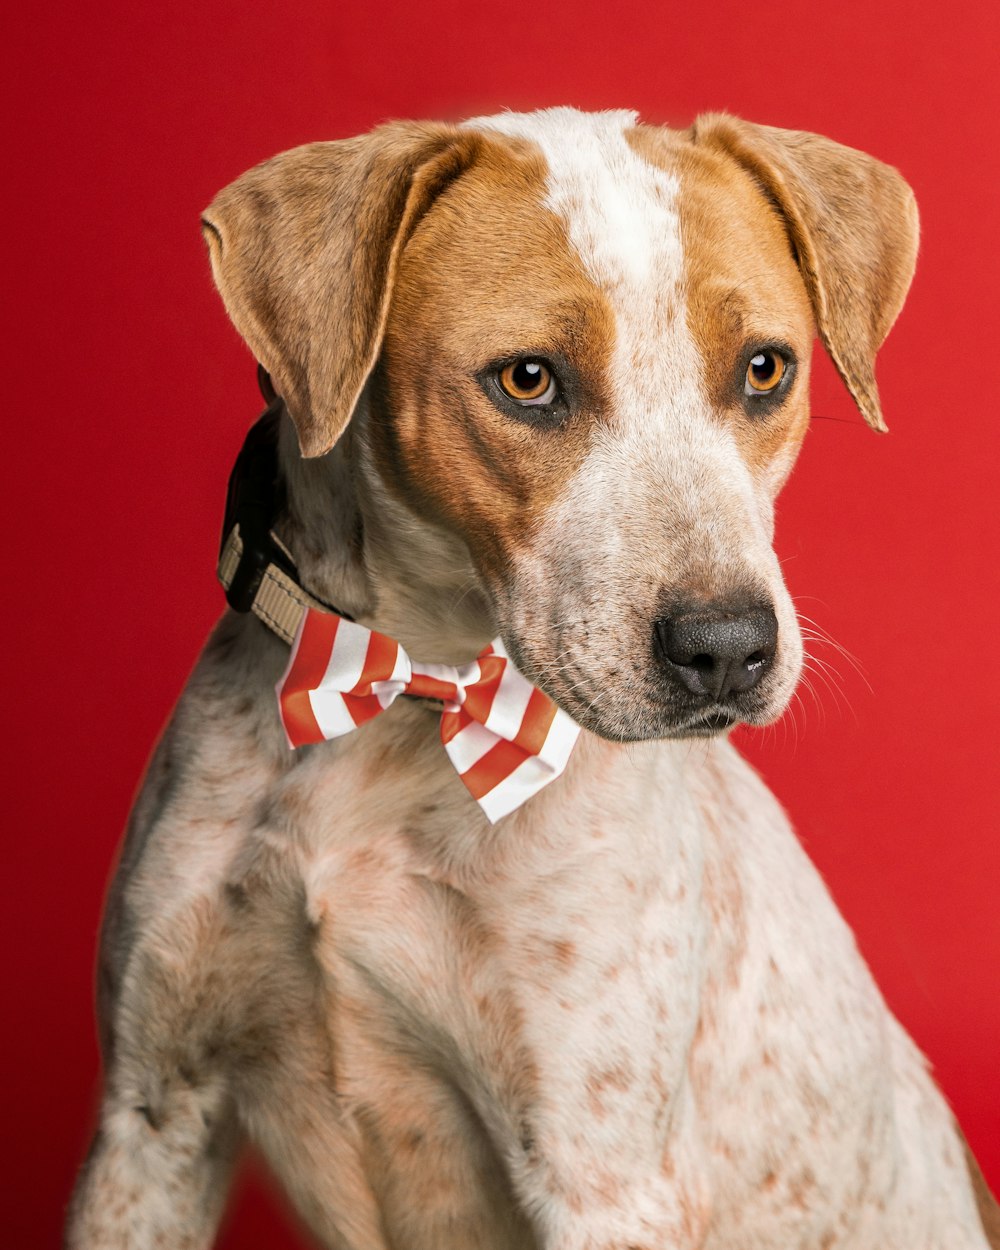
column 276, row 597
column 255, row 566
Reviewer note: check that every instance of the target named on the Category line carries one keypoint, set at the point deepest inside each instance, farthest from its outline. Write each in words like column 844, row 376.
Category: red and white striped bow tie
column 505, row 738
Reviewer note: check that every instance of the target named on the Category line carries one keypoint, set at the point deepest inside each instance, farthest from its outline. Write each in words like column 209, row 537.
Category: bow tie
column 505, row 738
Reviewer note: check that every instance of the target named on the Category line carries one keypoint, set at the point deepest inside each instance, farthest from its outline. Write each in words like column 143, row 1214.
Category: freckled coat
column 628, row 1016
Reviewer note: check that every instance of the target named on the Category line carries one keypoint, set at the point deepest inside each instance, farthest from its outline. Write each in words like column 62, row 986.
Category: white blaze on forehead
column 622, row 220
column 600, row 188
column 621, row 215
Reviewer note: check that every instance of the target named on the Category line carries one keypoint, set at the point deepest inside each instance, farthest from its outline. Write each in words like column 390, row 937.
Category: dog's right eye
column 528, row 382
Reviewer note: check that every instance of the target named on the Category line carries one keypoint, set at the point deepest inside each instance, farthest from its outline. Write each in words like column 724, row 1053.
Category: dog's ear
column 853, row 225
column 304, row 250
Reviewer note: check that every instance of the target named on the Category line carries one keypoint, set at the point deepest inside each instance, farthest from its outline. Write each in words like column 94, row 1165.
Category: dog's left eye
column 764, row 372
column 528, row 382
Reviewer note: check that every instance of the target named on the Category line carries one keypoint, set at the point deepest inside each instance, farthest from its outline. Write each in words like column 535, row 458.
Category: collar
column 255, row 567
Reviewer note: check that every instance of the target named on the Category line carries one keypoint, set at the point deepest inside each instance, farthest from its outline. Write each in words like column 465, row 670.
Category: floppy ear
column 304, row 250
column 854, row 227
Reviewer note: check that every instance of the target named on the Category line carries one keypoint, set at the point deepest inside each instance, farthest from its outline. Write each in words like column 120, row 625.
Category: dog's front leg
column 156, row 1175
column 600, row 1215
column 591, row 1195
column 159, row 1167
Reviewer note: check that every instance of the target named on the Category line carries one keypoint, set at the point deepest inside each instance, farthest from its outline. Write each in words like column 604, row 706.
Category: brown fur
column 743, row 286
column 447, row 449
column 304, row 249
column 853, row 223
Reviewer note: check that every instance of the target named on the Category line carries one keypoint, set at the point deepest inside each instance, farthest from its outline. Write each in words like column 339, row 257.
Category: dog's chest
column 566, row 1008
column 487, row 992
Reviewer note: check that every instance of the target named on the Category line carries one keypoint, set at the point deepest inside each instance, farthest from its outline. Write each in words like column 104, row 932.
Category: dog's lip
column 705, row 723
column 711, row 721
column 668, row 719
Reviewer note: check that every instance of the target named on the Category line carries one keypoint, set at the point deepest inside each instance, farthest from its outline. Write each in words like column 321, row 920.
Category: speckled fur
column 627, row 1017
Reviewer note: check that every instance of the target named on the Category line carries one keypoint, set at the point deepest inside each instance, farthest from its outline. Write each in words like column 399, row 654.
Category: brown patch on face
column 854, row 224
column 743, row 289
column 488, row 276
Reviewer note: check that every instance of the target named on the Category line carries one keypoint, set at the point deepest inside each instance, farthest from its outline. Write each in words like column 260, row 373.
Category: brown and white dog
column 545, row 375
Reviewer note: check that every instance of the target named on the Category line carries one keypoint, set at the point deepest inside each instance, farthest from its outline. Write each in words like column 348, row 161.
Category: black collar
column 255, row 567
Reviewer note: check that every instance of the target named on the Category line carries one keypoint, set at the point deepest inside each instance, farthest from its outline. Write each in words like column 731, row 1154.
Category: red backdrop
column 131, row 394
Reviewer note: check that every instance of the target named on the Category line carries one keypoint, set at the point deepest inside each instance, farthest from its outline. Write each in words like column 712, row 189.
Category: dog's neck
column 362, row 549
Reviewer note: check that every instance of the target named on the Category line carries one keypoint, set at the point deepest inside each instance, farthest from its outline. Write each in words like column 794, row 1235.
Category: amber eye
column 528, row 382
column 764, row 372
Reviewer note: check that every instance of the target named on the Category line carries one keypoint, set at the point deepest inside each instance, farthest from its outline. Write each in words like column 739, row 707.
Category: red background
column 127, row 395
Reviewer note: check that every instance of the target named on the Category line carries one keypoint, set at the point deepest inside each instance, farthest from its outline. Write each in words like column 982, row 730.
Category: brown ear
column 304, row 250
column 854, row 226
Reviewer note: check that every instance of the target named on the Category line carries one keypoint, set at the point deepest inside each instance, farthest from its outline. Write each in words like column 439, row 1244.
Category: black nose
column 715, row 652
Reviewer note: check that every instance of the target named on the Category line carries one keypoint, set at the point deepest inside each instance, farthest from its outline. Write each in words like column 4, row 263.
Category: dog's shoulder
column 219, row 756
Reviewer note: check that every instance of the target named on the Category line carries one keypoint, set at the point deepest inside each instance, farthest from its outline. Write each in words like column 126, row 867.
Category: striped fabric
column 505, row 738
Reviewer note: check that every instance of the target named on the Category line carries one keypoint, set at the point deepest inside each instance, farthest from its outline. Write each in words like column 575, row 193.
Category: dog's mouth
column 661, row 722
column 649, row 691
column 706, row 725
column 638, row 711
column 656, row 720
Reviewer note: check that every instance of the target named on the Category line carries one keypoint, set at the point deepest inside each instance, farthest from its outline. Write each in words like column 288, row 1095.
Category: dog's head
column 577, row 349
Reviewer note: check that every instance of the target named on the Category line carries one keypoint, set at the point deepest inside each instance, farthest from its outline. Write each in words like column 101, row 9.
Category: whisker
column 820, row 416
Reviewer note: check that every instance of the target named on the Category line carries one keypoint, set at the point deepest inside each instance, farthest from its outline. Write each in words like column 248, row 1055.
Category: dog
column 537, row 378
